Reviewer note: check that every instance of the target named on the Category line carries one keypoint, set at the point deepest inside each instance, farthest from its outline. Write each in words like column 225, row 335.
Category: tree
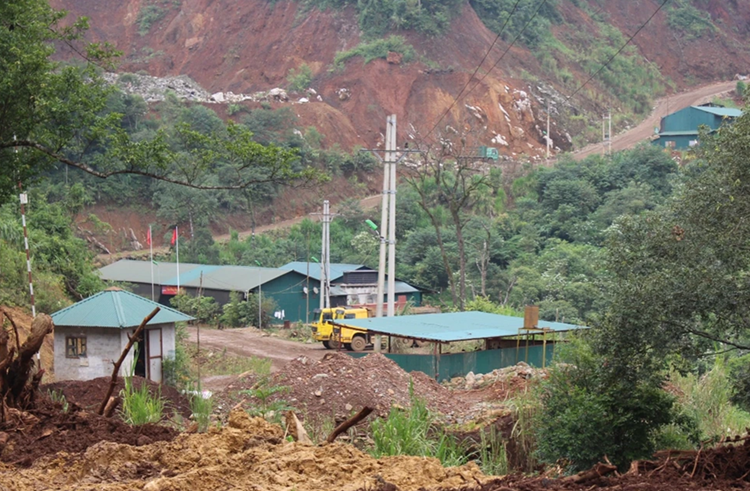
column 55, row 112
column 448, row 176
column 680, row 273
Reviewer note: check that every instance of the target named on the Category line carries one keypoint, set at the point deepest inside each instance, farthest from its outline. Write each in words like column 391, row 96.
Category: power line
column 617, row 52
column 539, row 7
column 489, row 50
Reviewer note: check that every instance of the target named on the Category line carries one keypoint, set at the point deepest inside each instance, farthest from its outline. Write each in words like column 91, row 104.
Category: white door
column 154, row 354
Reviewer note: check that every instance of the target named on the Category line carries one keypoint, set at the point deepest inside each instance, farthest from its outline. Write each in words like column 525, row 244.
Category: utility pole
column 548, row 139
column 390, row 151
column 325, row 263
column 607, row 132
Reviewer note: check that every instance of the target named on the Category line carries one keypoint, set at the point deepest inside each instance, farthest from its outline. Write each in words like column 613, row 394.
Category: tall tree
column 54, row 112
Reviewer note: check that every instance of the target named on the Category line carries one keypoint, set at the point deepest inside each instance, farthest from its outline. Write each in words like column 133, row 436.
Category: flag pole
column 177, row 245
column 151, row 251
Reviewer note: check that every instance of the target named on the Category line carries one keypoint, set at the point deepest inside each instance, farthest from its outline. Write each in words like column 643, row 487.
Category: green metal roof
column 455, row 326
column 679, row 133
column 225, row 278
column 337, row 269
column 117, row 309
column 727, row 112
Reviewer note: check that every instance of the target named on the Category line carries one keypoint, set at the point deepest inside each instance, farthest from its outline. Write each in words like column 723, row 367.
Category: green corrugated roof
column 225, row 278
column 455, row 326
column 337, row 269
column 117, row 309
column 679, row 133
column 720, row 111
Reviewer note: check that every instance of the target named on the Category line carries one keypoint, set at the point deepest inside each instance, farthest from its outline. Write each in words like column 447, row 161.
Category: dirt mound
column 47, row 430
column 248, row 453
column 339, row 384
column 22, row 320
column 89, row 394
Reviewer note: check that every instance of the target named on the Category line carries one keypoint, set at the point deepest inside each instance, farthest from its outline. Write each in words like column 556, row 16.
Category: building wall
column 103, row 347
column 288, row 293
column 675, row 142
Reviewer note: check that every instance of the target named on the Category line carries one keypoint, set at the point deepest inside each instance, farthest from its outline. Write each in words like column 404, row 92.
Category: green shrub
column 205, row 309
column 589, row 413
column 299, row 80
column 740, row 88
column 493, row 458
column 147, row 15
column 376, row 49
column 706, row 399
column 176, row 369
column 201, row 408
column 684, row 18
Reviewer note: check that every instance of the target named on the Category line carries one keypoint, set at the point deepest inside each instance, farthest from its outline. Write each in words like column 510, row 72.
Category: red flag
column 174, row 236
column 148, row 237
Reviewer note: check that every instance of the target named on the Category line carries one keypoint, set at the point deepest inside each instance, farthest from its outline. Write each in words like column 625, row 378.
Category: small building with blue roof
column 90, row 336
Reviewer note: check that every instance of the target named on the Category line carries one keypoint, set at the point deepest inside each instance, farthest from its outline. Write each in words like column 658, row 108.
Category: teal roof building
column 91, row 335
column 679, row 130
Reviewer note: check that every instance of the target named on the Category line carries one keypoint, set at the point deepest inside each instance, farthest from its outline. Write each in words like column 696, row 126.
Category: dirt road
column 251, row 342
column 664, row 106
column 366, row 204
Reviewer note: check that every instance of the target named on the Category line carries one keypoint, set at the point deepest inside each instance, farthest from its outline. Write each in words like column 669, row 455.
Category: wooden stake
column 131, row 340
column 349, row 423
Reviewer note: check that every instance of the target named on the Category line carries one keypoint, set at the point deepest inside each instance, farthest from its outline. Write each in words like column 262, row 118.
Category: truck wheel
column 359, row 343
column 333, row 344
column 327, row 344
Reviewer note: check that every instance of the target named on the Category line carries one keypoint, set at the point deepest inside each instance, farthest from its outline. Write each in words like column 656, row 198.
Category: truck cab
column 352, row 338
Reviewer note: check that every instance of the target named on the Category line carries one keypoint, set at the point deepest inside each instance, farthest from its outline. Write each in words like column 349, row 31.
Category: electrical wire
column 617, row 52
column 489, row 50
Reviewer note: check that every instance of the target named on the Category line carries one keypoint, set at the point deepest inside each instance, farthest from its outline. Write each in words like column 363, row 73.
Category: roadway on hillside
column 622, row 141
column 664, row 106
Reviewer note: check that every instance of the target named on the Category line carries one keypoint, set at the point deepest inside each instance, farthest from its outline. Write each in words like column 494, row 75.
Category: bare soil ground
column 663, row 107
column 250, row 341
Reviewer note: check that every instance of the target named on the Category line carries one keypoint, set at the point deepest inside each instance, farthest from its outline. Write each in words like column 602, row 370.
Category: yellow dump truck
column 352, row 338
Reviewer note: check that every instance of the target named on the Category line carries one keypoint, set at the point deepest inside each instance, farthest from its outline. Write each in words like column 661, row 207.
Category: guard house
column 91, row 335
column 679, row 130
column 507, row 341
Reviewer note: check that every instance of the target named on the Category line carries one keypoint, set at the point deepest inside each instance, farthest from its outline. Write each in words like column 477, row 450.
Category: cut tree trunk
column 18, row 380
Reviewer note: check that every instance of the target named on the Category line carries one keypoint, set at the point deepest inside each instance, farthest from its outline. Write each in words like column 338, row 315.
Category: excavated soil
column 90, row 393
column 338, row 384
column 251, row 454
column 248, row 453
column 47, row 430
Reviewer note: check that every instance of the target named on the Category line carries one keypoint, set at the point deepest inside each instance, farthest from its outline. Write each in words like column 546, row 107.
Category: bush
column 147, row 15
column 299, row 80
column 589, row 413
column 241, row 313
column 686, row 19
column 740, row 88
column 205, row 309
column 176, row 369
column 376, row 49
column 201, row 407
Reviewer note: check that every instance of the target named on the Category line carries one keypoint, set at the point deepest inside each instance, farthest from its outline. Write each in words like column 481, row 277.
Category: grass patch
column 201, row 407
column 139, row 406
column 412, row 432
column 706, row 400
column 224, row 363
column 376, row 49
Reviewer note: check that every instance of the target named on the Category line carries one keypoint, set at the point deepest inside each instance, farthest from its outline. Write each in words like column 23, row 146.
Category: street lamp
column 260, row 295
